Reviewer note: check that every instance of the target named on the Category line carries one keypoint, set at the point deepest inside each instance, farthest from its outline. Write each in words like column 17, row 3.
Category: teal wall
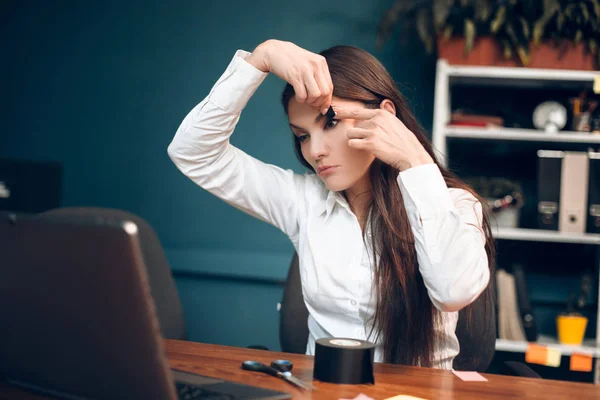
column 102, row 87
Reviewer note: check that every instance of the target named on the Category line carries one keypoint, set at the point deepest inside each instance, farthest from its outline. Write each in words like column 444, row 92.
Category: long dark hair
column 404, row 317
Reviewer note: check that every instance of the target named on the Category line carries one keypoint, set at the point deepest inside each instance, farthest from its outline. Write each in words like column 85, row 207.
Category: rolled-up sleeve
column 449, row 238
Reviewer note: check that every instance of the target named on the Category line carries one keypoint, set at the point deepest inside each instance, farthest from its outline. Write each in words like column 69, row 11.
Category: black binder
column 548, row 188
column 529, row 324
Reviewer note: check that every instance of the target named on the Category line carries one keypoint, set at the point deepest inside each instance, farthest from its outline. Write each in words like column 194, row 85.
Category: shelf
column 521, row 135
column 540, row 235
column 520, row 76
column 589, row 346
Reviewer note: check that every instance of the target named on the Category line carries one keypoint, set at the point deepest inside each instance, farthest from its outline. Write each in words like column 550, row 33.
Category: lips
column 326, row 169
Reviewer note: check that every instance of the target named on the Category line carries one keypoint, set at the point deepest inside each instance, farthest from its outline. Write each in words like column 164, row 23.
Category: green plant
column 515, row 24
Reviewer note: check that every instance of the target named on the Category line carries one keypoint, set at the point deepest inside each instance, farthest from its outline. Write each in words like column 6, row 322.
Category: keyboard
column 190, row 392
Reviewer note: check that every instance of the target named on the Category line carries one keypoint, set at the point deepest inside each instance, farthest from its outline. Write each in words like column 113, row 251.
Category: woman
column 391, row 245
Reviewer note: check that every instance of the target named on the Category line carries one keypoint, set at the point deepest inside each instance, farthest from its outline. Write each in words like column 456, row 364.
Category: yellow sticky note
column 404, row 397
column 597, row 84
column 553, row 358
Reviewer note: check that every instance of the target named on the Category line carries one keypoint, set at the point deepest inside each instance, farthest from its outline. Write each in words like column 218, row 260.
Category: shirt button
column 353, row 302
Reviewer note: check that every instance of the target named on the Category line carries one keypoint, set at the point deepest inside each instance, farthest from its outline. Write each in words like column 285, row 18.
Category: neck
column 359, row 197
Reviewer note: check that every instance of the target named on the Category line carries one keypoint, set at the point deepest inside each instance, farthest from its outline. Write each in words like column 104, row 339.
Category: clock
column 551, row 116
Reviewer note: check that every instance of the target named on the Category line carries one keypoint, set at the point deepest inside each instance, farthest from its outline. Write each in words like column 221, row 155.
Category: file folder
column 572, row 214
column 593, row 209
column 548, row 188
column 524, row 304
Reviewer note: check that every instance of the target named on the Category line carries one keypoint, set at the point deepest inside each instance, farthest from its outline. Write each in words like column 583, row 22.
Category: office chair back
column 162, row 285
column 477, row 342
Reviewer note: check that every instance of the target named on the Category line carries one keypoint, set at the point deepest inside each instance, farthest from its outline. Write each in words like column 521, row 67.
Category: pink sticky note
column 470, row 376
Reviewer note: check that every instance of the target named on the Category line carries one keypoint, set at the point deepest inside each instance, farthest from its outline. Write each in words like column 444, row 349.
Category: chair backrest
column 477, row 342
column 162, row 285
column 293, row 319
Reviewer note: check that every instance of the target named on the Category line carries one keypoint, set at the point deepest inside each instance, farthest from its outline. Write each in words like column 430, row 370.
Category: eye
column 331, row 123
column 301, row 138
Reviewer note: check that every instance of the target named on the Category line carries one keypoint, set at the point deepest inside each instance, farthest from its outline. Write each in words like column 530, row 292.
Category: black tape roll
column 341, row 360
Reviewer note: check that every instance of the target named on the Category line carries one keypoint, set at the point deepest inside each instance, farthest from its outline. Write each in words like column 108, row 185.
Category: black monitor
column 28, row 186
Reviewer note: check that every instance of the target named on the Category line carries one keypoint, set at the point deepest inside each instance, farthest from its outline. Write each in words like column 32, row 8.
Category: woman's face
column 324, row 145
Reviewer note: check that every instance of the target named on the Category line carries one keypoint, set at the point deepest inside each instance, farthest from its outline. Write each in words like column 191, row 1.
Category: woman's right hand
column 307, row 72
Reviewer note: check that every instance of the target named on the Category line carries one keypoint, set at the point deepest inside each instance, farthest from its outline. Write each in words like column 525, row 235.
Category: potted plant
column 533, row 33
column 504, row 198
column 571, row 324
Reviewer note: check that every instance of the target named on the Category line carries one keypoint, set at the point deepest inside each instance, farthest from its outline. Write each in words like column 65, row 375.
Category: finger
column 359, row 144
column 355, row 113
column 369, row 124
column 358, row 133
column 300, row 92
column 327, row 77
column 324, row 100
column 313, row 93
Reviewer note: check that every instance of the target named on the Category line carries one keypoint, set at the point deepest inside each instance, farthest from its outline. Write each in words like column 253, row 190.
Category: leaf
column 483, row 10
column 584, row 13
column 541, row 24
column 440, row 13
column 523, row 55
column 447, row 33
column 524, row 27
column 400, row 9
column 388, row 22
column 560, row 20
column 498, row 20
column 424, row 24
column 506, row 49
column 593, row 46
column 470, row 34
column 538, row 31
column 596, row 7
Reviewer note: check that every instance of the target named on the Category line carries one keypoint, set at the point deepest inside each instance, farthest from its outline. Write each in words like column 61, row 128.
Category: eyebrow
column 317, row 120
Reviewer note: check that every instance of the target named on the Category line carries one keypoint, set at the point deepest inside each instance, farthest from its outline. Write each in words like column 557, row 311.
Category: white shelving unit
column 525, row 135
column 539, row 235
column 521, row 346
column 449, row 75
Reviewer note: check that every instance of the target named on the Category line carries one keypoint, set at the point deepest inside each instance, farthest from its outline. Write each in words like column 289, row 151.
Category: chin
column 335, row 184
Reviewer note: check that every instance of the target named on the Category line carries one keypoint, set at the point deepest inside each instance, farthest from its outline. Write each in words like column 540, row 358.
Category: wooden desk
column 390, row 380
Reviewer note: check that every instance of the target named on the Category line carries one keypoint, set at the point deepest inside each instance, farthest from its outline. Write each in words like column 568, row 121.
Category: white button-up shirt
column 336, row 265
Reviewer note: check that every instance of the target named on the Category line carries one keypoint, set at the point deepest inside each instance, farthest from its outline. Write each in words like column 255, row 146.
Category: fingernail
column 324, row 111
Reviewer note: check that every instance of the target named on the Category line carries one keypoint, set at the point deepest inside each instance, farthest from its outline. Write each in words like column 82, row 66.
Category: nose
column 318, row 147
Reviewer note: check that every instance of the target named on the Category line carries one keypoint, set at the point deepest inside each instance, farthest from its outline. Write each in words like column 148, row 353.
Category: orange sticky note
column 536, row 354
column 581, row 362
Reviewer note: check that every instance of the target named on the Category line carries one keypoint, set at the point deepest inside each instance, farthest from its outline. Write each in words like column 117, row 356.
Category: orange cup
column 571, row 329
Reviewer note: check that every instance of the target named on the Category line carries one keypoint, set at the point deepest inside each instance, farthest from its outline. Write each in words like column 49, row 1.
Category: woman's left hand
column 382, row 134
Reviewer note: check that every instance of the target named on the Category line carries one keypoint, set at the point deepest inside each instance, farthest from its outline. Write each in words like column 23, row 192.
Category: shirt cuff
column 425, row 193
column 238, row 83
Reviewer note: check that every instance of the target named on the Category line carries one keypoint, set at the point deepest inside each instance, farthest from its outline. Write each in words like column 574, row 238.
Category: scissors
column 280, row 369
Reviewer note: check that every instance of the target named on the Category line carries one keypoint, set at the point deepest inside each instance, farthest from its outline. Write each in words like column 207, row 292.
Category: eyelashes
column 330, row 124
column 334, row 121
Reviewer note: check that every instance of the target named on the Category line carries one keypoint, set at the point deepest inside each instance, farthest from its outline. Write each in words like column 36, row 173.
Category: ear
column 388, row 106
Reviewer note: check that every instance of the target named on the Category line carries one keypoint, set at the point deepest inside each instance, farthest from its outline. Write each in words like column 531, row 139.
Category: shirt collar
column 332, row 199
